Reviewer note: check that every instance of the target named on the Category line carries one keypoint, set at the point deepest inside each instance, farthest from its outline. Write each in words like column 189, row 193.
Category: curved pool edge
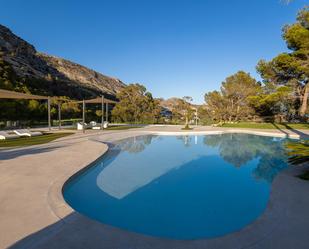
column 227, row 131
column 29, row 222
column 55, row 198
column 256, row 231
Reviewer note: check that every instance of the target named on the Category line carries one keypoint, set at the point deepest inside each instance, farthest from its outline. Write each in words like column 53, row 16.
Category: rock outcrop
column 30, row 64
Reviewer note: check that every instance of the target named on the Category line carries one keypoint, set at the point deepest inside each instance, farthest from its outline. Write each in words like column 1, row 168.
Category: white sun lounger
column 27, row 133
column 80, row 126
column 105, row 124
column 93, row 124
column 6, row 135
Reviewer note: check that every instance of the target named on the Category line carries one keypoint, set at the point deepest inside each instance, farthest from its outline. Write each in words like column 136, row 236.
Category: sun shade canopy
column 5, row 94
column 98, row 101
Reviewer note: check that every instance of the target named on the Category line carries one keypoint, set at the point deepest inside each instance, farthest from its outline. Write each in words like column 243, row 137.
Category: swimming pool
column 180, row 187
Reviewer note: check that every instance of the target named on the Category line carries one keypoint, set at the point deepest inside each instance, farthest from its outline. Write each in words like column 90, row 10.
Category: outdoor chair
column 80, row 126
column 6, row 135
column 105, row 124
column 93, row 124
column 27, row 133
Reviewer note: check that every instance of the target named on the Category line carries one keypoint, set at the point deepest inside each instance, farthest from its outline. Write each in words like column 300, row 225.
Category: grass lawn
column 26, row 141
column 267, row 125
column 122, row 127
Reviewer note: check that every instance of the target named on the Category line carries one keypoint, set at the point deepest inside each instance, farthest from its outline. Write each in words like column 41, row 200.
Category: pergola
column 99, row 100
column 6, row 94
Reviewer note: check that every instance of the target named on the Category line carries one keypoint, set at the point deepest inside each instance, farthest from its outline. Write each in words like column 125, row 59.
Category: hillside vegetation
column 23, row 69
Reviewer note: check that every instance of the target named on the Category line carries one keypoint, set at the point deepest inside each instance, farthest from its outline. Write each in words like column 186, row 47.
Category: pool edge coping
column 62, row 209
column 55, row 190
column 55, row 198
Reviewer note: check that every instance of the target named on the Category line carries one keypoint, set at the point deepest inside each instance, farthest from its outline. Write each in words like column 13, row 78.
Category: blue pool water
column 180, row 187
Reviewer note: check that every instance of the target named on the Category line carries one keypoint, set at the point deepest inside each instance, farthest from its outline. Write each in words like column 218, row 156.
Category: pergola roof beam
column 98, row 101
column 6, row 94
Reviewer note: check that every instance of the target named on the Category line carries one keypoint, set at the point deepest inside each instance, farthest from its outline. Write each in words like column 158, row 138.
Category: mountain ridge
column 53, row 71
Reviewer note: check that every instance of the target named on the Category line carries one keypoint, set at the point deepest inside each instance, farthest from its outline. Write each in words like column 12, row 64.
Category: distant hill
column 45, row 74
column 169, row 104
column 172, row 102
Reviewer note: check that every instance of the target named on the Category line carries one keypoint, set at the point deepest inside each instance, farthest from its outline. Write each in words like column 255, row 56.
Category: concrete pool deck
column 33, row 213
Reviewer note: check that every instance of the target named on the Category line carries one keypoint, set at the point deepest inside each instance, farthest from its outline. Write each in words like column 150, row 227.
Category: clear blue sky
column 173, row 47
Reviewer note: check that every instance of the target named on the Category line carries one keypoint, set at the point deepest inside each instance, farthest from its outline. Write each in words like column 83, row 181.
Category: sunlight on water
column 181, row 187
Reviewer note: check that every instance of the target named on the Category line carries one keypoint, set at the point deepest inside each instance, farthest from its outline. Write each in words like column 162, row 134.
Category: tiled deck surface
column 33, row 213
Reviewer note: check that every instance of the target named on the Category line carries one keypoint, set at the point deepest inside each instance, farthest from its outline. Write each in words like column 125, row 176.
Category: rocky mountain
column 169, row 104
column 53, row 72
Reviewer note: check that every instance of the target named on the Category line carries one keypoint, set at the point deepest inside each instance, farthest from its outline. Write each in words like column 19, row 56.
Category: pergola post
column 48, row 108
column 59, row 114
column 97, row 100
column 84, row 116
column 106, row 112
column 102, row 112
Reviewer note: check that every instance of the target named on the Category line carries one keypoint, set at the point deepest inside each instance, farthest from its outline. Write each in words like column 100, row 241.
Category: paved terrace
column 33, row 213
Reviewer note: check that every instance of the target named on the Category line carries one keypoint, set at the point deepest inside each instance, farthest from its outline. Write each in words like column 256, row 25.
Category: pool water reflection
column 180, row 187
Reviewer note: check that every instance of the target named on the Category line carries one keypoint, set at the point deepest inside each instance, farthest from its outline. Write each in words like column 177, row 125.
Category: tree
column 135, row 105
column 216, row 105
column 204, row 115
column 184, row 108
column 277, row 102
column 232, row 103
column 236, row 89
column 69, row 109
column 292, row 69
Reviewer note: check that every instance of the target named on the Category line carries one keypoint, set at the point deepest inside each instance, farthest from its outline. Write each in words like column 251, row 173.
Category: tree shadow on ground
column 46, row 237
column 79, row 232
column 12, row 153
column 302, row 135
column 283, row 131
